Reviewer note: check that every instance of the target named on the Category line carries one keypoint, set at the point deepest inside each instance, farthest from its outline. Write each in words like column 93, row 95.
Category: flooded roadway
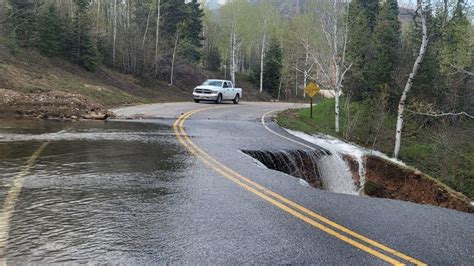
column 130, row 193
column 98, row 192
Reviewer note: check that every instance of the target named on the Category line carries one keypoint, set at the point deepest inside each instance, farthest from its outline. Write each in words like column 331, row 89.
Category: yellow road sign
column 311, row 90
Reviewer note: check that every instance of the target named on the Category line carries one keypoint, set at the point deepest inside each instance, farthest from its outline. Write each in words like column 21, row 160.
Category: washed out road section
column 129, row 192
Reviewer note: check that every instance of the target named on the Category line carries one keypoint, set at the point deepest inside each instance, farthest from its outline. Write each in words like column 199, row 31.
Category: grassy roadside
column 438, row 149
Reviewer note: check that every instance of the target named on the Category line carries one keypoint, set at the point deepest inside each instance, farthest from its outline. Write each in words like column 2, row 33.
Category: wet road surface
column 130, row 192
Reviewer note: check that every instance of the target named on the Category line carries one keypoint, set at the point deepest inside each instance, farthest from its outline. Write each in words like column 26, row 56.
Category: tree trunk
column 97, row 21
column 279, row 87
column 296, row 79
column 262, row 57
column 337, row 70
column 144, row 38
column 408, row 85
column 114, row 33
column 337, row 92
column 233, row 61
column 157, row 35
column 173, row 59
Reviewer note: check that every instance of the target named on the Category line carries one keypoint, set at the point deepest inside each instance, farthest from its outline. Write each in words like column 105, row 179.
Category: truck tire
column 196, row 100
column 219, row 99
column 236, row 99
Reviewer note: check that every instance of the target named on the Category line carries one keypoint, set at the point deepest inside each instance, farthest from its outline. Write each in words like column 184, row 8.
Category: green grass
column 442, row 152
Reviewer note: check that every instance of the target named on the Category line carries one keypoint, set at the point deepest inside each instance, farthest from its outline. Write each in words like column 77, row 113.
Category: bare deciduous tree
column 114, row 48
column 409, row 83
column 331, row 56
column 157, row 34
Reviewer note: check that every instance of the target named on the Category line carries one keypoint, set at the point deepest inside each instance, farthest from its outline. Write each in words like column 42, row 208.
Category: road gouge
column 324, row 224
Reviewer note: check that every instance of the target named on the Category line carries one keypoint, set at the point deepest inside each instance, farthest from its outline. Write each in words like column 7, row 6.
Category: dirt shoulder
column 51, row 104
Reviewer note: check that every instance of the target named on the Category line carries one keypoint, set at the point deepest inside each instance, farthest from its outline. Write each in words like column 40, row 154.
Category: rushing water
column 320, row 167
column 298, row 163
column 339, row 148
column 99, row 190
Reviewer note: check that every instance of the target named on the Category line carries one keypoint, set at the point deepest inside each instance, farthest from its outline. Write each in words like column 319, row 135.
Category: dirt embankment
column 386, row 179
column 35, row 86
column 51, row 104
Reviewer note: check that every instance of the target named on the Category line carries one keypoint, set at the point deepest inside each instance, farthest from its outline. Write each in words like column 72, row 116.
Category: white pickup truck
column 217, row 90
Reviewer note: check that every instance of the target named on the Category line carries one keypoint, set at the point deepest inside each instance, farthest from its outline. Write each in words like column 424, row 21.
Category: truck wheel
column 196, row 101
column 236, row 99
column 219, row 99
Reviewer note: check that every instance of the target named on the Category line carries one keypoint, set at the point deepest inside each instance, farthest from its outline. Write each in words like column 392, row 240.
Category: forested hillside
column 112, row 52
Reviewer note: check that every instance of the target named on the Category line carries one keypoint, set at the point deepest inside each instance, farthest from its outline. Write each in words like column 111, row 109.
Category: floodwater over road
column 99, row 191
column 132, row 192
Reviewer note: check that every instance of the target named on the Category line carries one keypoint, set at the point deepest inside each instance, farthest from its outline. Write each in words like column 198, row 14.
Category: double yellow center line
column 324, row 224
column 10, row 201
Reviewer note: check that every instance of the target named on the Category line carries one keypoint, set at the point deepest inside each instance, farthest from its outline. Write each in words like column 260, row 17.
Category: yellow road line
column 265, row 194
column 333, row 224
column 10, row 201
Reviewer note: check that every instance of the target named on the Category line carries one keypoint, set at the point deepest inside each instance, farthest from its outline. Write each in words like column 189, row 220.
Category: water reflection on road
column 99, row 191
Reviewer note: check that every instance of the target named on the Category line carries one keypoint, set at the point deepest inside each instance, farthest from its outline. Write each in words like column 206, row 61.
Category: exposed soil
column 34, row 86
column 385, row 179
column 51, row 104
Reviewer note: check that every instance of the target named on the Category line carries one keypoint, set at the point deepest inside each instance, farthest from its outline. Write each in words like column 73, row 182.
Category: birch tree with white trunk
column 173, row 59
column 114, row 37
column 157, row 34
column 262, row 53
column 307, row 69
column 330, row 56
column 145, row 36
column 416, row 66
column 233, row 43
column 266, row 17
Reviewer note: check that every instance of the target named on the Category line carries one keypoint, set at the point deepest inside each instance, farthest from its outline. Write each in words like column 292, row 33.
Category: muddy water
column 100, row 191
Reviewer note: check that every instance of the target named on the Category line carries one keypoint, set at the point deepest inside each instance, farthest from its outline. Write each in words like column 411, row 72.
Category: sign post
column 311, row 90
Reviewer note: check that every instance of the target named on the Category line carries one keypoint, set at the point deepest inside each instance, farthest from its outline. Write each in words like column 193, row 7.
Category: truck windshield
column 216, row 83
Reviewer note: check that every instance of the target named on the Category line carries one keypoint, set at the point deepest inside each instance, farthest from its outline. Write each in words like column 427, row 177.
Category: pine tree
column 386, row 41
column 371, row 9
column 25, row 21
column 7, row 34
column 213, row 60
column 82, row 48
column 194, row 23
column 358, row 51
column 272, row 68
column 192, row 31
column 173, row 13
column 50, row 30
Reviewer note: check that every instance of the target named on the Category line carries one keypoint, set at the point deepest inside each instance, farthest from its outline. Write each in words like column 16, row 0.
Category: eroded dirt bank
column 386, row 179
column 377, row 175
column 50, row 104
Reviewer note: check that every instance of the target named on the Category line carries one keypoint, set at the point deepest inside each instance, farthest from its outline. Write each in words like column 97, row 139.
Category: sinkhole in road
column 320, row 168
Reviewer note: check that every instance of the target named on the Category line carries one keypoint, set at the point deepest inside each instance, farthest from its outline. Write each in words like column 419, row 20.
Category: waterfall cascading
column 336, row 175
column 319, row 167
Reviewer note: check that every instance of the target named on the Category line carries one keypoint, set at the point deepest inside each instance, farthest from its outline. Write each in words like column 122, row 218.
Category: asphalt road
column 194, row 197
